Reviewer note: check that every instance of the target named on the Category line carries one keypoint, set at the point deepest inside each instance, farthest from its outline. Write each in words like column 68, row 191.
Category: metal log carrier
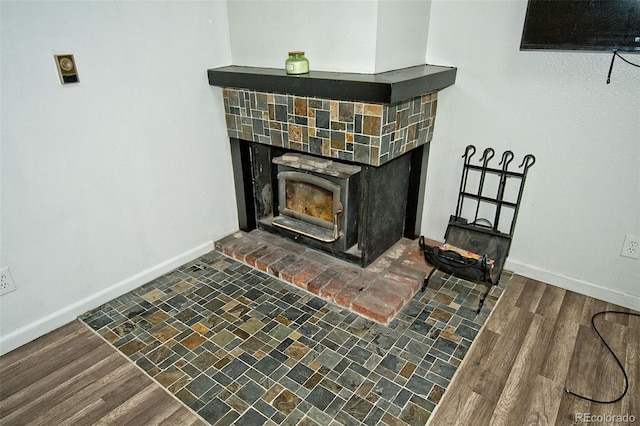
column 477, row 249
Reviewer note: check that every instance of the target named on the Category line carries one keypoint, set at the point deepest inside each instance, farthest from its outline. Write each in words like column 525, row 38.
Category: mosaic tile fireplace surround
column 364, row 118
column 361, row 132
column 379, row 124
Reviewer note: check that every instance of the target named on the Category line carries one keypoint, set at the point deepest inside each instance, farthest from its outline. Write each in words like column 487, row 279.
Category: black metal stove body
column 371, row 207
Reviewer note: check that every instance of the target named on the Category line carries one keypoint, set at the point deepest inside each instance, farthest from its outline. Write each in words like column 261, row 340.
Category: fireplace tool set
column 477, row 249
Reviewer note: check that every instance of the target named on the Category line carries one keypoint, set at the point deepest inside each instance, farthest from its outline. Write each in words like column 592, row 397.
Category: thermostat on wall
column 67, row 69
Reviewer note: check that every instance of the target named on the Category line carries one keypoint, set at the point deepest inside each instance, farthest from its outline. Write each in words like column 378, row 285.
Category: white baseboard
column 64, row 316
column 627, row 300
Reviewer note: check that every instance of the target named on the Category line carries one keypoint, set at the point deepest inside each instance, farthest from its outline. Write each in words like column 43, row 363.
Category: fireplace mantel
column 386, row 88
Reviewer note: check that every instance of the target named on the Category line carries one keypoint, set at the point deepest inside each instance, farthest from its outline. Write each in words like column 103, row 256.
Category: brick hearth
column 377, row 292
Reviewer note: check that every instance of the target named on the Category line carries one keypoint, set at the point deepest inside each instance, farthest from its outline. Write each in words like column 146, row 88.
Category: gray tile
column 386, row 389
column 419, row 385
column 214, row 411
column 300, row 373
column 251, row 418
column 320, row 397
column 250, row 392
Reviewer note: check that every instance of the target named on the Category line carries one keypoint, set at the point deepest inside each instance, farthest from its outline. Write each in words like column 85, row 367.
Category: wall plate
column 67, row 69
column 7, row 284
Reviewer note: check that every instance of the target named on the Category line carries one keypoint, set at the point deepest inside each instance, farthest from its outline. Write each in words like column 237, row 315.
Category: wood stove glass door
column 309, row 198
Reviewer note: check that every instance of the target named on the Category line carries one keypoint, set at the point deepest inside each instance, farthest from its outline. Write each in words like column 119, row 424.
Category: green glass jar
column 296, row 63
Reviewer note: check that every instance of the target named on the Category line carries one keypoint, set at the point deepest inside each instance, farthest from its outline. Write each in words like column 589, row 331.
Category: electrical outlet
column 631, row 247
column 6, row 281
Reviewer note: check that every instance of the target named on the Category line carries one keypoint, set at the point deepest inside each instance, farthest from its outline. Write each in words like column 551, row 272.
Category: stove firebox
column 318, row 198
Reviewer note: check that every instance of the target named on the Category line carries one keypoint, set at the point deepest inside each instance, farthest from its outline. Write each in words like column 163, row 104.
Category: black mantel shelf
column 386, row 87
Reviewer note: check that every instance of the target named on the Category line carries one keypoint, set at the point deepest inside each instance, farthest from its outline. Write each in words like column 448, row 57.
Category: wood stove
column 352, row 211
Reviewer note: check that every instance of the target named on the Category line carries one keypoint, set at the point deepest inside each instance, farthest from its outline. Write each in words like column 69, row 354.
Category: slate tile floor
column 241, row 347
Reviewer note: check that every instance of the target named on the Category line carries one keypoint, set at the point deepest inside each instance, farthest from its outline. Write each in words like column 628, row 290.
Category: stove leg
column 426, row 280
column 484, row 296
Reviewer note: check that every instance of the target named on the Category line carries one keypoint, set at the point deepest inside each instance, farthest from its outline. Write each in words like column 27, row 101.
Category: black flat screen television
column 582, row 25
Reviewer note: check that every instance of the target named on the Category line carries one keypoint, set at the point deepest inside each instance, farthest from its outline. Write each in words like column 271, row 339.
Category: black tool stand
column 489, row 239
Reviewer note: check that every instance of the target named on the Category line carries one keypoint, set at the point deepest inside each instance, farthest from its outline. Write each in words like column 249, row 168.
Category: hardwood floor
column 71, row 376
column 538, row 341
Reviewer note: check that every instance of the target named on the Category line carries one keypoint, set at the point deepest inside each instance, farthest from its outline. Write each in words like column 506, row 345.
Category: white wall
column 335, row 35
column 583, row 194
column 402, row 31
column 362, row 36
column 111, row 182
